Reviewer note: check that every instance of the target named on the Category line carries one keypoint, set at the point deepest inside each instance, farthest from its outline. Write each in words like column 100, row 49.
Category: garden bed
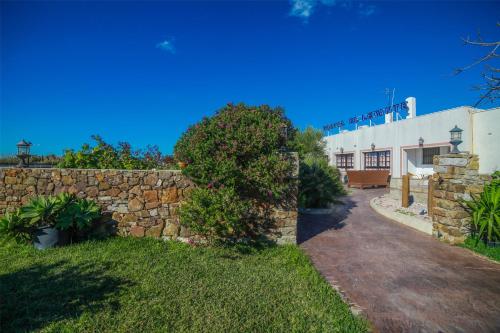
column 126, row 284
column 414, row 216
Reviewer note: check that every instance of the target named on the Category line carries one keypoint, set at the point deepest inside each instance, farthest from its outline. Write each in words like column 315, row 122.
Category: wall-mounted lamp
column 341, row 150
column 421, row 142
column 373, row 146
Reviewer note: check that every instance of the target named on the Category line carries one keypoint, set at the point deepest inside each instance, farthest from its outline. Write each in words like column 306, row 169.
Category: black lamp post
column 23, row 153
column 455, row 139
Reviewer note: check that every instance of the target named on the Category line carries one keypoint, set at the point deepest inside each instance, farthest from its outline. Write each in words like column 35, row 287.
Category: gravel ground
column 416, row 209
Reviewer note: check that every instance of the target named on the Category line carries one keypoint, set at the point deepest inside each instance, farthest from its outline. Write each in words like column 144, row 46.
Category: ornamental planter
column 46, row 237
column 182, row 165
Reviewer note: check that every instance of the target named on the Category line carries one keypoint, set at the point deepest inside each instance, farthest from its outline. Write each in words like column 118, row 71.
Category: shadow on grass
column 36, row 296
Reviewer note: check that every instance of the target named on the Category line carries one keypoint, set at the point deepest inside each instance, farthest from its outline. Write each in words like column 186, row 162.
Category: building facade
column 408, row 145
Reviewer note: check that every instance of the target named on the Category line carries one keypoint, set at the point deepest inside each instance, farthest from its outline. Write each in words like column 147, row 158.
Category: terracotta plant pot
column 182, row 165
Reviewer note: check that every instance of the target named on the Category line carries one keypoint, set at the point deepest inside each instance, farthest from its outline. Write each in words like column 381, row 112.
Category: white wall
column 486, row 139
column 401, row 135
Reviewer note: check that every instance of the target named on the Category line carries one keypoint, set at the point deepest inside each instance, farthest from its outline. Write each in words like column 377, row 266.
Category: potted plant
column 76, row 215
column 40, row 215
column 182, row 165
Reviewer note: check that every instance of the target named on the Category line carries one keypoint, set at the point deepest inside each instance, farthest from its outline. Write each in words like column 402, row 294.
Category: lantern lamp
column 23, row 152
column 372, row 146
column 455, row 139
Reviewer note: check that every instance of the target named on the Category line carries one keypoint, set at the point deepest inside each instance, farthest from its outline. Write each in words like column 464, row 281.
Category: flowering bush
column 105, row 156
column 216, row 213
column 239, row 150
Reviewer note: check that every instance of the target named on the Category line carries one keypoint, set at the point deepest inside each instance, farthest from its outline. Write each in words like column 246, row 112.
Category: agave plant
column 13, row 226
column 40, row 211
column 485, row 212
column 77, row 214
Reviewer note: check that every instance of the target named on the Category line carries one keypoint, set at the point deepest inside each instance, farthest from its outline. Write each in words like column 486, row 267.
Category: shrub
column 238, row 149
column 64, row 212
column 485, row 213
column 319, row 183
column 105, row 156
column 13, row 226
column 218, row 214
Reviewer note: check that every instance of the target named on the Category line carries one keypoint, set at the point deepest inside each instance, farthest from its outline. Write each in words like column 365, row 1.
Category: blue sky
column 144, row 71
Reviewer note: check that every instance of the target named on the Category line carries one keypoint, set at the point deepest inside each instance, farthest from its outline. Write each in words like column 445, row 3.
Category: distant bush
column 106, row 156
column 319, row 183
column 237, row 151
column 309, row 142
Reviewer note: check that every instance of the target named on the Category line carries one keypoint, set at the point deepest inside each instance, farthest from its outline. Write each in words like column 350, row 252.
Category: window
column 428, row 155
column 378, row 160
column 345, row 161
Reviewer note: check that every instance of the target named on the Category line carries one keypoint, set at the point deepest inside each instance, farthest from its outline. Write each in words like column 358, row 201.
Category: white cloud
column 305, row 8
column 366, row 10
column 302, row 8
column 167, row 45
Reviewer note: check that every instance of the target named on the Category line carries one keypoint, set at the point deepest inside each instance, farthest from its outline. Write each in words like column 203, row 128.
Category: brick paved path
column 403, row 280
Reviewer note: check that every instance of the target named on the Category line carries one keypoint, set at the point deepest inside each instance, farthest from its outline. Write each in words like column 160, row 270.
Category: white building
column 408, row 145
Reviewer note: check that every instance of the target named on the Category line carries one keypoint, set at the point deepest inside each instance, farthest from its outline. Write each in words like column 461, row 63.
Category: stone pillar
column 455, row 178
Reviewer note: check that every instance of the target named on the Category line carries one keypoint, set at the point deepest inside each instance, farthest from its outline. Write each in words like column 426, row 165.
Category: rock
column 113, row 192
column 171, row 229
column 155, row 231
column 150, row 179
column 151, row 195
column 135, row 205
column 169, row 195
column 68, row 180
column 137, row 231
column 92, row 191
column 10, row 180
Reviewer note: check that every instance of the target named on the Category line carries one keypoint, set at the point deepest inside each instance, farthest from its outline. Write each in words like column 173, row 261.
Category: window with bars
column 345, row 161
column 378, row 160
column 428, row 155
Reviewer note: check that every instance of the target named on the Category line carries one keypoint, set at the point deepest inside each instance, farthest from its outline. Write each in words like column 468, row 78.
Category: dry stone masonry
column 142, row 202
column 456, row 178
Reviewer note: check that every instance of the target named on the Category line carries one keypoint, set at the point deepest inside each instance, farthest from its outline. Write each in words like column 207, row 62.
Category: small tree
column 490, row 88
column 235, row 154
column 309, row 142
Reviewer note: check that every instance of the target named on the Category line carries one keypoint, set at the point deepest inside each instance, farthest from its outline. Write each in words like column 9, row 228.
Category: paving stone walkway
column 403, row 280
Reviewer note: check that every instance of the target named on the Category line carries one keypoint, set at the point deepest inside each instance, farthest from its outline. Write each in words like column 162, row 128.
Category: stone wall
column 456, row 178
column 142, row 202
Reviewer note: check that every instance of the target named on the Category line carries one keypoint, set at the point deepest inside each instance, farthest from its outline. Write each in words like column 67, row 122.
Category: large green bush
column 106, row 156
column 239, row 148
column 217, row 213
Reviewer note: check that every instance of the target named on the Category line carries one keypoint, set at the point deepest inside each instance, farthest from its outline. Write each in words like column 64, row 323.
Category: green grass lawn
column 481, row 248
column 146, row 285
